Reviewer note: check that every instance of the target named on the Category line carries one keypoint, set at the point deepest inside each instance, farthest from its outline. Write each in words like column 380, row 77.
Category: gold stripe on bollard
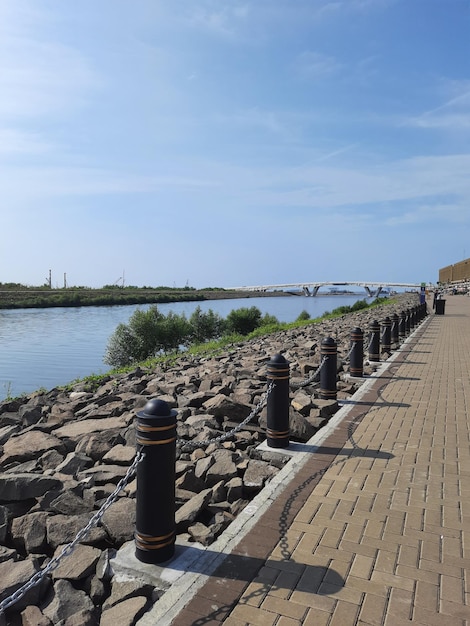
column 151, row 442
column 328, row 394
column 277, row 434
column 152, row 429
column 145, row 542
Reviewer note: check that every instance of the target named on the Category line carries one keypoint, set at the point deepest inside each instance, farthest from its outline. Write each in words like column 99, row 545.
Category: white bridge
column 311, row 288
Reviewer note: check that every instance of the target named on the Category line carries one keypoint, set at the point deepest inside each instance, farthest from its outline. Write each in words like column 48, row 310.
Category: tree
column 243, row 321
column 205, row 326
column 303, row 316
column 138, row 340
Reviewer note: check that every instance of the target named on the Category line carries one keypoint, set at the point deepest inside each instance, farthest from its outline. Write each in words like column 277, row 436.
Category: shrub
column 303, row 316
column 205, row 326
column 141, row 338
column 243, row 321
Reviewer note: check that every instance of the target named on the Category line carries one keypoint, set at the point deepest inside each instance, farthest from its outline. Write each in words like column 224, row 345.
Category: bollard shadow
column 270, row 577
column 402, row 405
column 228, row 576
column 295, row 446
column 245, row 568
column 406, row 362
column 397, row 377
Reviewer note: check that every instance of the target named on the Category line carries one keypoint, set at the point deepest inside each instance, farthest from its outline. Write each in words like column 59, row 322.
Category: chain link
column 69, row 548
column 260, row 406
column 311, row 378
column 348, row 355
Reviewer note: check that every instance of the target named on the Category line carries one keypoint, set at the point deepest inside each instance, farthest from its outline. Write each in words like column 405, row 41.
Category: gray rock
column 64, row 602
column 62, row 529
column 78, row 564
column 33, row 616
column 68, row 503
column 74, row 462
column 119, row 520
column 14, row 488
column 15, row 574
column 188, row 513
column 125, row 613
column 125, row 589
column 29, row 532
column 120, row 455
column 3, row 523
column 223, row 468
column 256, row 475
column 28, row 445
column 222, row 406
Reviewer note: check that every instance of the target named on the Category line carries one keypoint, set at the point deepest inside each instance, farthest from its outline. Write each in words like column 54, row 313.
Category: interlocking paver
column 376, row 525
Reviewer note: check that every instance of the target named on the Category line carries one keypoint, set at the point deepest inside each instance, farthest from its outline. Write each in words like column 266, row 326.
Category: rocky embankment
column 64, row 452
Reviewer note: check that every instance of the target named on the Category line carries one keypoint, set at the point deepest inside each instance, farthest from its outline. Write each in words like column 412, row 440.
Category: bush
column 303, row 316
column 205, row 326
column 141, row 338
column 269, row 320
column 243, row 321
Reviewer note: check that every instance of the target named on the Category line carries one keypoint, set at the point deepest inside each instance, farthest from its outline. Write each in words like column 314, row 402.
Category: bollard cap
column 328, row 341
column 156, row 408
column 278, row 359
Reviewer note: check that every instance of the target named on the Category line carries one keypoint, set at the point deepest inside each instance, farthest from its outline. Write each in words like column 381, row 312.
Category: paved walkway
column 374, row 529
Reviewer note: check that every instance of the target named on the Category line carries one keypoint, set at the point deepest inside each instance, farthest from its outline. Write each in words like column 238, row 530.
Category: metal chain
column 312, row 377
column 69, row 548
column 260, row 406
column 348, row 355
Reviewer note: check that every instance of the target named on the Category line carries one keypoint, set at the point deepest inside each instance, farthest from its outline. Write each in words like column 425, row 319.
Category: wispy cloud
column 39, row 77
column 453, row 114
column 16, row 142
column 310, row 64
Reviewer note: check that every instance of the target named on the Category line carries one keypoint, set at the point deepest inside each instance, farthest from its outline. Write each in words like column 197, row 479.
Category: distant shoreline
column 71, row 297
column 79, row 296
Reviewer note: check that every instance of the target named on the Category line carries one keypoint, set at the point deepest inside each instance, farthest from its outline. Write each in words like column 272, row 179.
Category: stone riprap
column 64, row 451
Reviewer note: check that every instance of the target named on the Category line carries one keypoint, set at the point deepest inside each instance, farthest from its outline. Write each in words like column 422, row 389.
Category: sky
column 222, row 143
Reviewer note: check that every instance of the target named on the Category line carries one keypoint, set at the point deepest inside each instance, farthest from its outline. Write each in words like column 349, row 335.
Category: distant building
column 456, row 273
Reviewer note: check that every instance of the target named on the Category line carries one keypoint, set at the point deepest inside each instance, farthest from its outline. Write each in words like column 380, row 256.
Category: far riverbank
column 44, row 297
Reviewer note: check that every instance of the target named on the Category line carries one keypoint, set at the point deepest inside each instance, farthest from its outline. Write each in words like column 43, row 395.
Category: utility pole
column 49, row 280
column 65, row 280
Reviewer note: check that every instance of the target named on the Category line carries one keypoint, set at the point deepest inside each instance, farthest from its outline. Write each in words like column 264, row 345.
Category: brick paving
column 374, row 530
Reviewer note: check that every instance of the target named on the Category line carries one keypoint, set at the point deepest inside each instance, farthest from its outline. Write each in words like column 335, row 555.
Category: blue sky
column 228, row 143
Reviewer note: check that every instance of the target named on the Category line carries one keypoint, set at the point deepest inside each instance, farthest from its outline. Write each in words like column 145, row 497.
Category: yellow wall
column 455, row 273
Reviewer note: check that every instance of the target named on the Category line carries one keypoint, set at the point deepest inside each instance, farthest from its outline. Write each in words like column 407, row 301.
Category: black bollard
column 394, row 334
column 374, row 342
column 155, row 532
column 408, row 321
column 356, row 361
column 328, row 371
column 277, row 429
column 386, row 335
column 402, row 325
